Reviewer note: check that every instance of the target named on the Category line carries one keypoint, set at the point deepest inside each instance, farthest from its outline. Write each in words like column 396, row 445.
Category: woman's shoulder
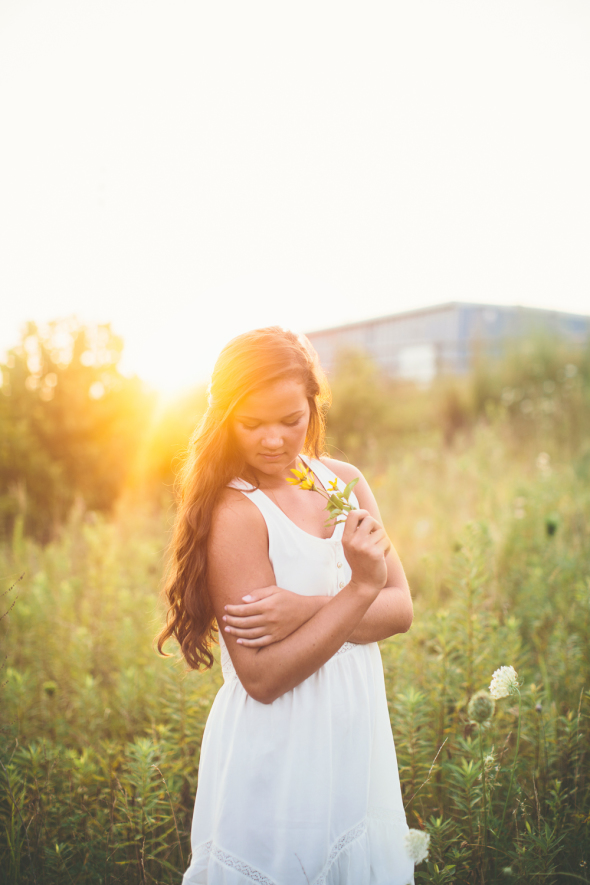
column 342, row 469
column 347, row 472
column 233, row 511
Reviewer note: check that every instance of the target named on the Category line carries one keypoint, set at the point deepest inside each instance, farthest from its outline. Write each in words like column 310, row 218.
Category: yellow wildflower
column 337, row 503
column 307, row 484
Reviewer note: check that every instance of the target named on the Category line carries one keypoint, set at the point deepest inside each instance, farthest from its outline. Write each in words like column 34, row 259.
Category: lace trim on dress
column 203, row 848
column 348, row 646
column 234, row 863
column 228, row 669
column 338, row 847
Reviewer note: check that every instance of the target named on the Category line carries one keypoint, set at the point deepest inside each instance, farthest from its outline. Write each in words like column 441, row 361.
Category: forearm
column 279, row 667
column 390, row 613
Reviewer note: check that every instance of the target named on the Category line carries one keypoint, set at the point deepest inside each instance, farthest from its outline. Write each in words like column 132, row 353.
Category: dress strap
column 241, row 485
column 323, row 473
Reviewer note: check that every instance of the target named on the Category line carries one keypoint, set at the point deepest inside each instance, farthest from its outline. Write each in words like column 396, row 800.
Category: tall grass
column 512, row 587
column 100, row 737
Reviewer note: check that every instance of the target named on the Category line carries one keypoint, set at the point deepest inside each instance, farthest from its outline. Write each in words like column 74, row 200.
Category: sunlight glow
column 188, row 172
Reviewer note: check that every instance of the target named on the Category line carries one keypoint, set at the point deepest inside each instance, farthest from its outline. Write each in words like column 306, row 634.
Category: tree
column 71, row 424
column 358, row 419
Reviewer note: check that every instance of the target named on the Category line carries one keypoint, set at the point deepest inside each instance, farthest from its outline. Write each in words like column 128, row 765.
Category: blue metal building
column 444, row 339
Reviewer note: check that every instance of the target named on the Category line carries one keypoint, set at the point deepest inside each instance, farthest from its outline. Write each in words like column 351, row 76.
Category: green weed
column 100, row 738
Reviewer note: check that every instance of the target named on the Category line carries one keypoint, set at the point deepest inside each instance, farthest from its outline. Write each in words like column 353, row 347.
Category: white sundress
column 303, row 791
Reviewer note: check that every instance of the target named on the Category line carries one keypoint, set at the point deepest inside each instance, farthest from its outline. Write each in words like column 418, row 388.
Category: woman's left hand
column 269, row 615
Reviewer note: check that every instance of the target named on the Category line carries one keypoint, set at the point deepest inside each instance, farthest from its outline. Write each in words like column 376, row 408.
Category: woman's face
column 270, row 426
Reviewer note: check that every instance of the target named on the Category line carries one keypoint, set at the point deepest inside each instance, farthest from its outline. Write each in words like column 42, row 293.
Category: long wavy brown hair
column 247, row 364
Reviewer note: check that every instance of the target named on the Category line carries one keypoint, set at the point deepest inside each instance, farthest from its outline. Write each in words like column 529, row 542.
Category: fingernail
column 228, row 630
column 247, row 598
column 224, row 618
column 239, row 641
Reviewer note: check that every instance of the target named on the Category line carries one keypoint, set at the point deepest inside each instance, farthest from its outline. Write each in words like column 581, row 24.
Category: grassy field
column 100, row 737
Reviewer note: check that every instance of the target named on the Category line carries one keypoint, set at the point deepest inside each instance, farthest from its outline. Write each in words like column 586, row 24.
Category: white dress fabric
column 303, row 791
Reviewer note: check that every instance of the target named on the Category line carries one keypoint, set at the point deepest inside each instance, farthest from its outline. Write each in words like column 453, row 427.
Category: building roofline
column 359, row 324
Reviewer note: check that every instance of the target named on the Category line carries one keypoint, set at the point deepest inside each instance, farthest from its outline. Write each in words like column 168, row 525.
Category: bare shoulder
column 343, row 469
column 235, row 516
column 237, row 550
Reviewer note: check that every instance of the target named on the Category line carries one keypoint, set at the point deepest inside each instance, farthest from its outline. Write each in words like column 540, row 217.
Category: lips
column 268, row 457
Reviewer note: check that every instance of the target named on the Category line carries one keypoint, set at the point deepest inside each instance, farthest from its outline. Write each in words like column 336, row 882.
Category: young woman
column 298, row 779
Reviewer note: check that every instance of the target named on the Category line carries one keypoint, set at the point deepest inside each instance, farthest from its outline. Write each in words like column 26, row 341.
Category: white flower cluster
column 504, row 682
column 417, row 843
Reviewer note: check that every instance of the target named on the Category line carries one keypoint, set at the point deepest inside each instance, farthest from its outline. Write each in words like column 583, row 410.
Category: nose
column 272, row 439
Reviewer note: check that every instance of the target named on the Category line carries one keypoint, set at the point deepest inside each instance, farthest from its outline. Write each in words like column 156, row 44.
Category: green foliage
column 100, row 738
column 510, row 593
column 358, row 420
column 538, row 391
column 71, row 424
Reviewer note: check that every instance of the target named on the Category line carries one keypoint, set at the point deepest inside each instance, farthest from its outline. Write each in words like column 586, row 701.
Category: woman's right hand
column 268, row 615
column 366, row 545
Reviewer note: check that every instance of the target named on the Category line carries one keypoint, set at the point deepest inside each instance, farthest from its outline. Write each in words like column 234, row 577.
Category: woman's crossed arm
column 239, row 564
column 269, row 613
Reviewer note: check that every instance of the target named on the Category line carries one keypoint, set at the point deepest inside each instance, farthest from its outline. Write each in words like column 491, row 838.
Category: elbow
column 410, row 617
column 407, row 617
column 259, row 680
column 406, row 626
column 262, row 696
column 261, row 692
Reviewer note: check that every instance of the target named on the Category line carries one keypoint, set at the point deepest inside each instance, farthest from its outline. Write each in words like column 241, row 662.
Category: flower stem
column 485, row 800
column 513, row 764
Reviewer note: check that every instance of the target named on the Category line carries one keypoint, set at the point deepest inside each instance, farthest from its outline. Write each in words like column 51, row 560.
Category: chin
column 272, row 466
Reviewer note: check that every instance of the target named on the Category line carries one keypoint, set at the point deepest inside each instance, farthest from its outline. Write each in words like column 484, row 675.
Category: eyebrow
column 290, row 415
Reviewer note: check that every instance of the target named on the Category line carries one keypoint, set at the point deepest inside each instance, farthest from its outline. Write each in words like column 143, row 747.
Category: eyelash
column 287, row 424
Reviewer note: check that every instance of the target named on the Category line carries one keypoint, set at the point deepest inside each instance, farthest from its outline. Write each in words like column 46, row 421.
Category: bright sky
column 190, row 170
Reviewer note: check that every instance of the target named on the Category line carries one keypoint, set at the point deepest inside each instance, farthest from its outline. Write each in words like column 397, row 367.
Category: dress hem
column 210, row 849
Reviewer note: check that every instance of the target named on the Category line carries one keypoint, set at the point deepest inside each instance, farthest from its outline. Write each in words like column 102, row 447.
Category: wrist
column 314, row 604
column 364, row 588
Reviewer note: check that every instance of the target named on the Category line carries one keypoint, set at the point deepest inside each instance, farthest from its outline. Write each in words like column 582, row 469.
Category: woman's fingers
column 253, row 621
column 247, row 610
column 376, row 534
column 257, row 643
column 369, row 527
column 254, row 602
column 381, row 538
column 246, row 633
column 353, row 520
column 380, row 541
column 384, row 544
column 364, row 529
column 261, row 593
column 360, row 522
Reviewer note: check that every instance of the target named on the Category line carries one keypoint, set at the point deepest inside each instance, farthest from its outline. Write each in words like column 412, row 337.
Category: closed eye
column 255, row 426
